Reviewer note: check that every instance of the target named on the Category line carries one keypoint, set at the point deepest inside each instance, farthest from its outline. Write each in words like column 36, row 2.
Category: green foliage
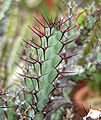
column 92, row 74
column 58, row 114
column 11, row 113
column 88, row 16
column 95, row 82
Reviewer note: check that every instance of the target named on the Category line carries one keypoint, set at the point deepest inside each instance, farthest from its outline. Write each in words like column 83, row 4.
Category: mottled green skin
column 48, row 67
column 41, row 71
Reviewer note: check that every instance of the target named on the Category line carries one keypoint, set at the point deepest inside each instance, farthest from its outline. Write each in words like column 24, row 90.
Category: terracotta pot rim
column 80, row 95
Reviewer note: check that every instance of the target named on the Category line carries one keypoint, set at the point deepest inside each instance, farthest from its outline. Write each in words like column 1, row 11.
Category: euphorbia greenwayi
column 42, row 66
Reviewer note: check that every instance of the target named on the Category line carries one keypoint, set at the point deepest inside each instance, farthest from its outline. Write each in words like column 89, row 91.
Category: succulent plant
column 90, row 60
column 40, row 72
column 12, row 32
column 42, row 69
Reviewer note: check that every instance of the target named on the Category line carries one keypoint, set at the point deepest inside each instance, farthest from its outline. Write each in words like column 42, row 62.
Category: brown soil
column 84, row 99
column 93, row 99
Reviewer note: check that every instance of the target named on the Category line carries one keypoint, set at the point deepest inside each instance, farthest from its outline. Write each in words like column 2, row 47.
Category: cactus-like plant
column 40, row 72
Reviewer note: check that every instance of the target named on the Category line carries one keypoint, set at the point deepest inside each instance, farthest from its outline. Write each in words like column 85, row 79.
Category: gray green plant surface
column 44, row 57
column 12, row 32
column 41, row 70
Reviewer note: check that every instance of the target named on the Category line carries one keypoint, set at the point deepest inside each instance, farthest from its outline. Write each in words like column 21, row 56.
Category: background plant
column 90, row 59
column 84, row 65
